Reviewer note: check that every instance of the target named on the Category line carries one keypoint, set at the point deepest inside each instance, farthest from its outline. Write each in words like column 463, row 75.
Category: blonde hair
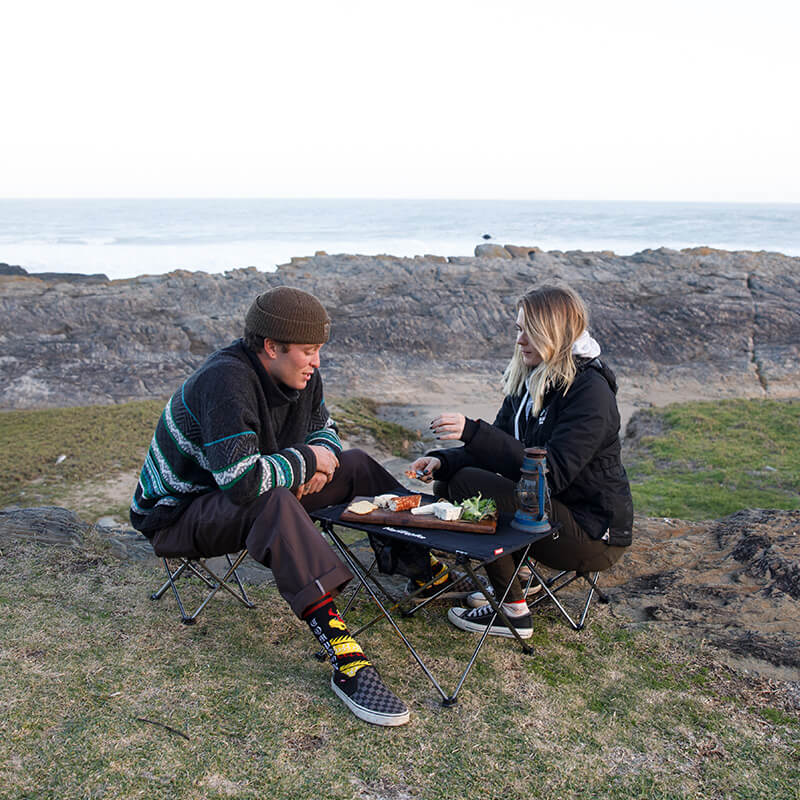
column 553, row 317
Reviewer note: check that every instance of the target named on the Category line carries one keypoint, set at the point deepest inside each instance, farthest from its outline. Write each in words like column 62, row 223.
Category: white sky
column 617, row 100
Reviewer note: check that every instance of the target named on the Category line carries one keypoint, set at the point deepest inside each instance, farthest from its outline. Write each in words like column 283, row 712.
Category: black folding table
column 479, row 549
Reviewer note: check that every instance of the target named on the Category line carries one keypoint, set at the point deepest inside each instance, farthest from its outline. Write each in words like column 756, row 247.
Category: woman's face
column 530, row 355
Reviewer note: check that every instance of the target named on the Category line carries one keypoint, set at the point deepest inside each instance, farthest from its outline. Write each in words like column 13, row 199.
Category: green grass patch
column 100, row 442
column 712, row 459
column 104, row 694
column 358, row 417
column 97, row 441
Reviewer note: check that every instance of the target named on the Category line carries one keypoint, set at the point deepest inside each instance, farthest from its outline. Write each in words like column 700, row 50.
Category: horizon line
column 406, row 198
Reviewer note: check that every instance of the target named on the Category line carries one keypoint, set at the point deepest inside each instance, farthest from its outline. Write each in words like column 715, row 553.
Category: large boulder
column 491, row 251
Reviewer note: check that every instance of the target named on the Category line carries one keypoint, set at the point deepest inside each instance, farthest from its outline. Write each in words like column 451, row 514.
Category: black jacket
column 580, row 431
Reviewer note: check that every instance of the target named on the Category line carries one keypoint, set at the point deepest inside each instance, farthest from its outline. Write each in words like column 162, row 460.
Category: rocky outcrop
column 53, row 525
column 720, row 323
column 55, row 277
column 734, row 582
column 8, row 269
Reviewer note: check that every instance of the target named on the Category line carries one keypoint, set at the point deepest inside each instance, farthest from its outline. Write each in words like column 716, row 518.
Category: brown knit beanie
column 288, row 315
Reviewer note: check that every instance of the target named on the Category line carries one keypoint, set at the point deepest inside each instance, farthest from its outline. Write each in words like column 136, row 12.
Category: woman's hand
column 448, row 426
column 426, row 465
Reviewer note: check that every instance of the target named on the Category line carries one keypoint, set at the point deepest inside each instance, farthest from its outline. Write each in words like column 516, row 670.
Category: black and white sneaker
column 478, row 619
column 478, row 599
column 368, row 698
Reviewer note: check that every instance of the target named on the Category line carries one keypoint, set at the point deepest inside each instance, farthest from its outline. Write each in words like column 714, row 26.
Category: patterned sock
column 438, row 572
column 331, row 632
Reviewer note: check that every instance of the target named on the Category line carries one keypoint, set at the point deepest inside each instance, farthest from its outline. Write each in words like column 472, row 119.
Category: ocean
column 125, row 238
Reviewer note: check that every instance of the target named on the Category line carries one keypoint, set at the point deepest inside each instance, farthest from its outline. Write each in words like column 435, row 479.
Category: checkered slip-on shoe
column 477, row 599
column 367, row 697
column 477, row 620
column 461, row 590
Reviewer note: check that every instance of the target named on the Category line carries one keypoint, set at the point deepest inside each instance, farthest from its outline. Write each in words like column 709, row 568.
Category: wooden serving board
column 382, row 516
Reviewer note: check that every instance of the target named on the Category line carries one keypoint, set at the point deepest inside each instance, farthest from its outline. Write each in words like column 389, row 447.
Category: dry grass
column 49, row 455
column 88, row 458
column 104, row 694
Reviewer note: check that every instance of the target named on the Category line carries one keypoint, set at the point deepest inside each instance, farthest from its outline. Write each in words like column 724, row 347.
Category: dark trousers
column 277, row 531
column 569, row 547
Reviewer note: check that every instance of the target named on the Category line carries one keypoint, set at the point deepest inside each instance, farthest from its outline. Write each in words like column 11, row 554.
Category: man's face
column 294, row 366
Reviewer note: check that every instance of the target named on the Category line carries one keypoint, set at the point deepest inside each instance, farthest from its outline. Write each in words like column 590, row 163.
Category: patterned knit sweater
column 230, row 427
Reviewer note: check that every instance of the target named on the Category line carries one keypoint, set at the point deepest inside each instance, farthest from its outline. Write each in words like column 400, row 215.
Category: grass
column 104, row 694
column 705, row 460
column 97, row 441
column 712, row 459
column 358, row 417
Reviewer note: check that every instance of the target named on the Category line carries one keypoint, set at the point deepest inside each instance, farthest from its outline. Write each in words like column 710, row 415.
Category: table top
column 480, row 546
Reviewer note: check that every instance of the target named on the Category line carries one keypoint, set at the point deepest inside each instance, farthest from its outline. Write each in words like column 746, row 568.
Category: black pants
column 570, row 547
column 277, row 531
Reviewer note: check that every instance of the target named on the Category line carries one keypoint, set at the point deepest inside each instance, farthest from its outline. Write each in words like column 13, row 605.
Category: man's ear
column 270, row 348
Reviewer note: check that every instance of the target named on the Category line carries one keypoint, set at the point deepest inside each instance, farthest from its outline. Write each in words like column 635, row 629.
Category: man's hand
column 426, row 465
column 314, row 484
column 448, row 426
column 327, row 463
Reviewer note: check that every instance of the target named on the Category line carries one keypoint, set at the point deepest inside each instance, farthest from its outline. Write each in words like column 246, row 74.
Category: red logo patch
column 498, row 551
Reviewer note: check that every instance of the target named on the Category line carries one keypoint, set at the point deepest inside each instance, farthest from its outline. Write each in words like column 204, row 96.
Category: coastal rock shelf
column 700, row 323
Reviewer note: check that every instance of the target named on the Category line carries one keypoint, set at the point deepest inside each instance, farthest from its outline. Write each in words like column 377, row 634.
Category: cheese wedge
column 447, row 511
column 441, row 510
column 382, row 500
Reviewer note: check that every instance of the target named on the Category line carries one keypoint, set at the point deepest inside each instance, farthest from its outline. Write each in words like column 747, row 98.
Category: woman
column 558, row 395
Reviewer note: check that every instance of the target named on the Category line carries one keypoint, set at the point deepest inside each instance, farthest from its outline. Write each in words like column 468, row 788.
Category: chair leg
column 171, row 576
column 213, row 582
column 560, row 581
column 170, row 583
column 185, row 618
column 592, row 587
column 601, row 596
column 234, row 568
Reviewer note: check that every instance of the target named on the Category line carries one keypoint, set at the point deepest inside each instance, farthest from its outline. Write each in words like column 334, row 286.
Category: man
column 243, row 450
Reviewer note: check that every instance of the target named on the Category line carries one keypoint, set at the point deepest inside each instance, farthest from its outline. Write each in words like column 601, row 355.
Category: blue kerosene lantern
column 530, row 493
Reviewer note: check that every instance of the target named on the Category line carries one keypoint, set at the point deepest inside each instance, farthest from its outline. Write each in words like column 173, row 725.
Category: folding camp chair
column 472, row 551
column 211, row 582
column 563, row 578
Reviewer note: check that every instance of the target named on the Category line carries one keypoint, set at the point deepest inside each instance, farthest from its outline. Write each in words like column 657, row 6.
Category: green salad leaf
column 478, row 508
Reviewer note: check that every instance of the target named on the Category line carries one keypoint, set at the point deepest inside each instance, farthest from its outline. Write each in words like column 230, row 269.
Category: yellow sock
column 438, row 571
